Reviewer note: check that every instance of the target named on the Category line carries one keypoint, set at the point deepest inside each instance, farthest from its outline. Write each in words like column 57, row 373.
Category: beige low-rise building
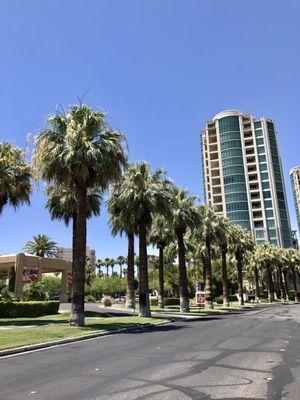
column 39, row 265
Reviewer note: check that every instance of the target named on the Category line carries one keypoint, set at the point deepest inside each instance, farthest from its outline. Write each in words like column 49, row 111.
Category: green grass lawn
column 16, row 332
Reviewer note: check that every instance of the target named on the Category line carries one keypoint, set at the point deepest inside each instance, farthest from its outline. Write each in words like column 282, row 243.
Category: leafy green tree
column 293, row 262
column 183, row 215
column 79, row 150
column 51, row 285
column 42, row 246
column 15, row 177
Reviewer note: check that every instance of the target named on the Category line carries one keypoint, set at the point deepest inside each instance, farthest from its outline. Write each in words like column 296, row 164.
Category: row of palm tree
column 79, row 156
column 111, row 263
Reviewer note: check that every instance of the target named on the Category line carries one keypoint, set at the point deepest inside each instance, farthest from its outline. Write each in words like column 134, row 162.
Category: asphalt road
column 253, row 355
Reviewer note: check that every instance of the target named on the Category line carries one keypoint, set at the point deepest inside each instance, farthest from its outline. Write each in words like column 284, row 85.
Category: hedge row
column 169, row 301
column 28, row 309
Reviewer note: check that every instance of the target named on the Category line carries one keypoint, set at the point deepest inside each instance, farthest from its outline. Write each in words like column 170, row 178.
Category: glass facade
column 237, row 209
column 244, row 178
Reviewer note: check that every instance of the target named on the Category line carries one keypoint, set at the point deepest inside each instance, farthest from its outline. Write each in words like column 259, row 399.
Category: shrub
column 153, row 301
column 89, row 297
column 34, row 291
column 51, row 285
column 7, row 296
column 219, row 299
column 30, row 309
column 172, row 301
column 251, row 297
column 107, row 301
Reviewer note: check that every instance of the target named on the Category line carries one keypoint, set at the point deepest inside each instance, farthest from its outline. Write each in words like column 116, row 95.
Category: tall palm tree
column 112, row 264
column 42, row 246
column 15, row 177
column 100, row 263
column 293, row 262
column 241, row 243
column 265, row 257
column 147, row 193
column 122, row 221
column 79, row 150
column 183, row 215
column 254, row 271
column 223, row 237
column 161, row 235
column 107, row 262
column 121, row 261
column 209, row 230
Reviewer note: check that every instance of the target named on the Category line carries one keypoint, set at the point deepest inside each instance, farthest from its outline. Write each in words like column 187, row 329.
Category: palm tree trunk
column 224, row 276
column 285, row 282
column 120, row 271
column 281, row 285
column 79, row 258
column 143, row 273
column 295, row 285
column 239, row 260
column 204, row 270
column 270, row 284
column 257, row 291
column 107, row 270
column 183, row 286
column 130, row 300
column 161, row 293
column 208, row 276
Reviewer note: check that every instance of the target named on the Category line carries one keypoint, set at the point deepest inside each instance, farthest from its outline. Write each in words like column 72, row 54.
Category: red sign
column 200, row 299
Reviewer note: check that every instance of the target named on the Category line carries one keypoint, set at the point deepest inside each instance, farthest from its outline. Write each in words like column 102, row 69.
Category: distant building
column 295, row 180
column 65, row 253
column 242, row 175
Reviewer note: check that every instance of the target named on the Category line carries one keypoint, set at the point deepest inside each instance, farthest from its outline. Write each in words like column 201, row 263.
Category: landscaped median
column 18, row 332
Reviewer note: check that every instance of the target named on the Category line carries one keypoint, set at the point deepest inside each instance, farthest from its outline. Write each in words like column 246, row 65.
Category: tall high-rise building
column 295, row 179
column 242, row 175
column 65, row 253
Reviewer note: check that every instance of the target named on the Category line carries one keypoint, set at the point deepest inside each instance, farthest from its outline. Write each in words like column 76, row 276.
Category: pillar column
column 40, row 269
column 63, row 296
column 19, row 266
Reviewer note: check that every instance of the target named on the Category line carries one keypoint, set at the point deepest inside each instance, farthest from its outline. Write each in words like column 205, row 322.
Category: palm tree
column 100, row 263
column 121, row 261
column 293, row 261
column 161, row 235
column 42, row 246
column 184, row 215
column 79, row 150
column 147, row 193
column 112, row 264
column 107, row 263
column 252, row 267
column 241, row 243
column 209, row 230
column 121, row 221
column 15, row 177
column 266, row 257
column 223, row 238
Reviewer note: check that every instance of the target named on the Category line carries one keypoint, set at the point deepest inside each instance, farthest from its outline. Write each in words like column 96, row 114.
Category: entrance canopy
column 23, row 262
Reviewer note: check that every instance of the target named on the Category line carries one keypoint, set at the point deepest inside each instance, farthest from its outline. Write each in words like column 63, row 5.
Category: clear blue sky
column 160, row 68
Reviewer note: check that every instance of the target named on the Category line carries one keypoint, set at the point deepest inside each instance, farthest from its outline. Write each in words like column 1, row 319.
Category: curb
column 39, row 346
